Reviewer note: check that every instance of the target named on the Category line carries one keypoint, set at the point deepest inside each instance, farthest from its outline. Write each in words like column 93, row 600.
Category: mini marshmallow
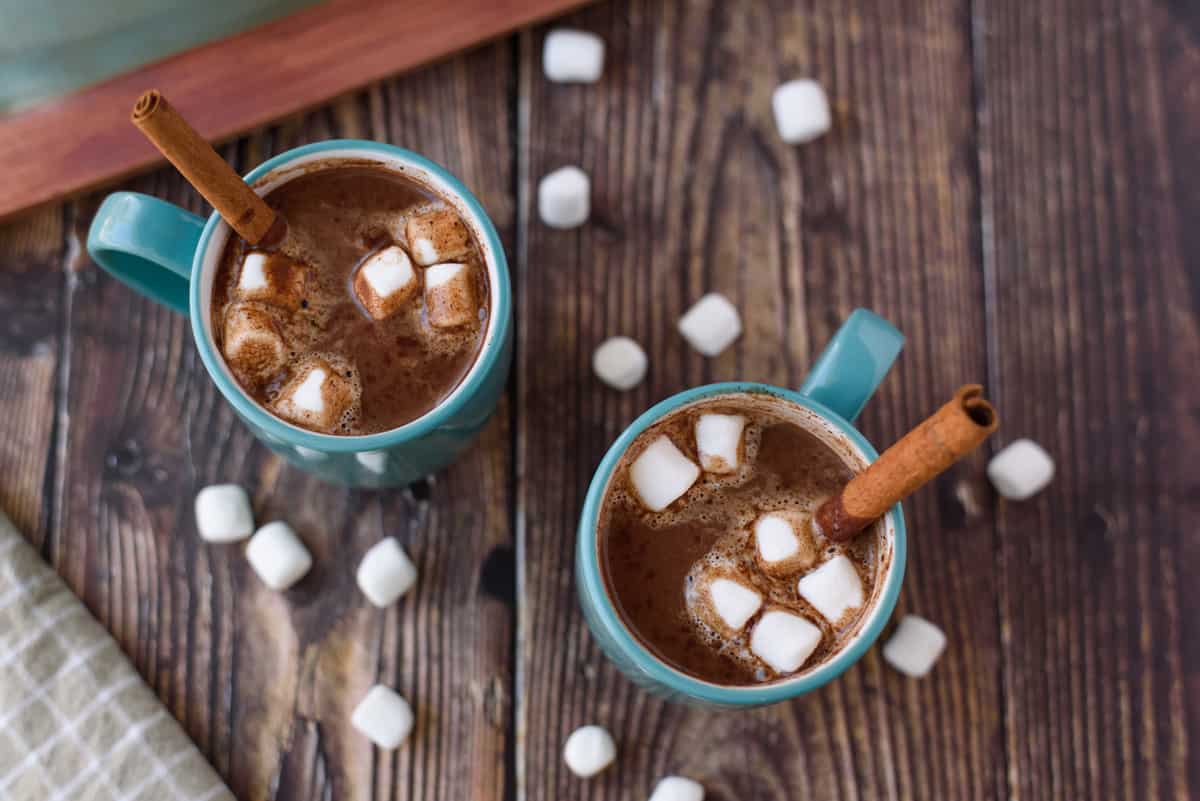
column 734, row 602
column 783, row 543
column 437, row 236
column 277, row 555
column 589, row 750
column 223, row 513
column 833, row 589
column 783, row 640
column 719, row 441
column 319, row 395
column 383, row 717
column 252, row 344
column 801, row 111
column 1021, row 470
column 711, row 325
column 272, row 278
column 571, row 56
column 385, row 282
column 565, row 198
column 677, row 788
column 385, row 573
column 375, row 461
column 450, row 296
column 661, row 473
column 620, row 362
column 915, row 647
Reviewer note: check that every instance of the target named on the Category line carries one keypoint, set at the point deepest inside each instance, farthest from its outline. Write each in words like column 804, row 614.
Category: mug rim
column 490, row 351
column 672, row 678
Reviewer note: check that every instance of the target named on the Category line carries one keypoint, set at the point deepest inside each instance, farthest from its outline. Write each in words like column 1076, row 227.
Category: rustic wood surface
column 1013, row 184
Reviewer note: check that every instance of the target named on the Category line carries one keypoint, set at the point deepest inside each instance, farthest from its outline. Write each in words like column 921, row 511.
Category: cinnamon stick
column 234, row 200
column 949, row 434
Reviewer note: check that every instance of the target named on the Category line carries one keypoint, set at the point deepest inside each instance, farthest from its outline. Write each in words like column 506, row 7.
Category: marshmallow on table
column 277, row 555
column 661, row 473
column 319, row 395
column 571, row 56
column 719, row 441
column 1021, row 469
column 589, row 750
column 783, row 640
column 450, row 295
column 915, row 646
column 384, row 717
column 385, row 282
column 833, row 589
column 252, row 344
column 223, row 513
column 385, row 573
column 437, row 236
column 733, row 602
column 801, row 111
column 783, row 543
column 564, row 198
column 620, row 362
column 272, row 278
column 677, row 788
column 711, row 325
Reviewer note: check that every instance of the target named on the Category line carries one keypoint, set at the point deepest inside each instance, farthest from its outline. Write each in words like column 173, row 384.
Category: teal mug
column 171, row 256
column 841, row 381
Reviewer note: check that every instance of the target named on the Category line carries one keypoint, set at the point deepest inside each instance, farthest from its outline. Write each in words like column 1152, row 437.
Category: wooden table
column 1011, row 183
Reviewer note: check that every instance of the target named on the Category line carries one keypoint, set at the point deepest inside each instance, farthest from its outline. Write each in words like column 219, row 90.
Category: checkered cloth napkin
column 76, row 720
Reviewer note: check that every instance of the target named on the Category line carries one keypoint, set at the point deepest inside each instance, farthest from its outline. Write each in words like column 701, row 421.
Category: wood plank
column 1089, row 122
column 264, row 682
column 36, row 260
column 693, row 191
column 226, row 87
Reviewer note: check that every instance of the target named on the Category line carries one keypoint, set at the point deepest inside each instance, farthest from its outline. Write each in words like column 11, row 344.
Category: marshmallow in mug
column 252, row 342
column 783, row 543
column 833, row 589
column 783, row 640
column 719, row 442
column 437, row 236
column 661, row 474
column 385, row 282
column 450, row 295
column 272, row 278
column 322, row 394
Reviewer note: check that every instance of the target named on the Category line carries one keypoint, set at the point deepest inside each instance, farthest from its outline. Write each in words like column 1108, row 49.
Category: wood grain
column 1012, row 184
column 1087, row 115
column 229, row 86
column 693, row 191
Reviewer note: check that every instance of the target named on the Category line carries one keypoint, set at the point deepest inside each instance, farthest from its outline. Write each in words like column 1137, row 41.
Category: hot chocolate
column 707, row 550
column 368, row 314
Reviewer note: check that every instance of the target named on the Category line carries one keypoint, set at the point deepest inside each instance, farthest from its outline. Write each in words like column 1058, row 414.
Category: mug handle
column 853, row 364
column 147, row 244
